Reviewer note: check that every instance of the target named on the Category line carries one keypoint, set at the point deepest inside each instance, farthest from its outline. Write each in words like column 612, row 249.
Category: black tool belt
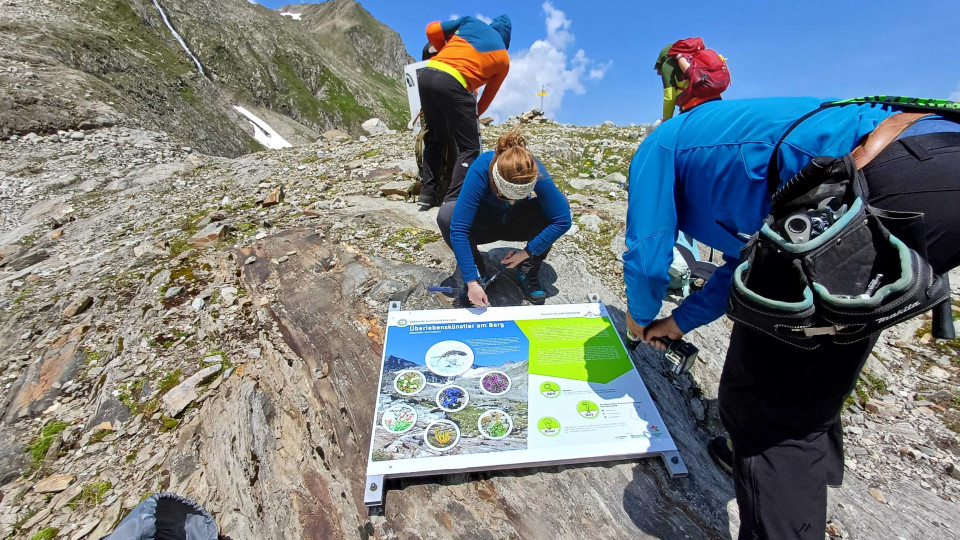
column 828, row 267
column 850, row 281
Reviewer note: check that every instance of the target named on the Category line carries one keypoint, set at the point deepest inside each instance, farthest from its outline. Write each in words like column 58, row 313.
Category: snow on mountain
column 262, row 132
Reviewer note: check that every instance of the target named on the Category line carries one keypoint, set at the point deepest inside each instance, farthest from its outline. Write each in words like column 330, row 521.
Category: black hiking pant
column 781, row 404
column 521, row 222
column 450, row 111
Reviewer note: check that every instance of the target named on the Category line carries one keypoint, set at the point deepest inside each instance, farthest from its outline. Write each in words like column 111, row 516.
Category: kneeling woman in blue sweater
column 506, row 195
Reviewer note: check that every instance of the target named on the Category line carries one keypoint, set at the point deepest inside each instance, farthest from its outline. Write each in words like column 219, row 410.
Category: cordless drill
column 682, row 354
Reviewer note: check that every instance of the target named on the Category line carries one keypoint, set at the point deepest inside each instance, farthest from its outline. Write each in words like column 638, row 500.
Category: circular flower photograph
column 495, row 383
column 452, row 398
column 442, row 435
column 449, row 358
column 495, row 424
column 409, row 382
column 399, row 419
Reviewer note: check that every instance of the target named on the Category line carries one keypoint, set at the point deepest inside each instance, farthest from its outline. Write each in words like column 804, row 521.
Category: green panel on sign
column 581, row 349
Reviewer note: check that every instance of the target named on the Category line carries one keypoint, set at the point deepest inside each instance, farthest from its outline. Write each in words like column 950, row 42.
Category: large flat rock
column 282, row 453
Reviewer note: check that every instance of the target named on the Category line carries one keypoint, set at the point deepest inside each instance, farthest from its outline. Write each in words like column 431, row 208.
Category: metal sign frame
column 377, row 474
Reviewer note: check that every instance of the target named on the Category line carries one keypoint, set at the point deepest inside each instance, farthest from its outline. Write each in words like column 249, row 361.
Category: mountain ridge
column 98, row 64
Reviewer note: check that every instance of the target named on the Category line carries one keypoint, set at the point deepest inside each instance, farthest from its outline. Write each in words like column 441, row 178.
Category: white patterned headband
column 510, row 190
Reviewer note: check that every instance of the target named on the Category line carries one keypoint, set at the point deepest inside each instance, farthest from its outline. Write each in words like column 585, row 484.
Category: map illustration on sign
column 465, row 390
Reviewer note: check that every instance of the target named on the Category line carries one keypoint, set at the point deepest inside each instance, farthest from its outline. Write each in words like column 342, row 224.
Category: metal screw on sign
column 374, row 486
column 674, row 460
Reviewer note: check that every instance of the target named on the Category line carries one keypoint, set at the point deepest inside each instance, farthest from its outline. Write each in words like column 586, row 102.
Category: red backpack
column 686, row 47
column 708, row 74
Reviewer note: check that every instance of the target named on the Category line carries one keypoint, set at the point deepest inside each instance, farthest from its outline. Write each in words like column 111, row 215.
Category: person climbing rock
column 708, row 176
column 470, row 54
column 497, row 202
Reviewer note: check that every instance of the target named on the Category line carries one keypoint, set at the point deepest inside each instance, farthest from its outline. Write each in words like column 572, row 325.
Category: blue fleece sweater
column 704, row 173
column 476, row 197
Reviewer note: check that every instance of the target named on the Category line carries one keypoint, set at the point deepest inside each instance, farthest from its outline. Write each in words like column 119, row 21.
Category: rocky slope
column 176, row 321
column 81, row 63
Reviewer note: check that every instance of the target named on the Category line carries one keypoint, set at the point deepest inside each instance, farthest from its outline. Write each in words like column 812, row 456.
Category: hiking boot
column 530, row 283
column 721, row 450
column 427, row 202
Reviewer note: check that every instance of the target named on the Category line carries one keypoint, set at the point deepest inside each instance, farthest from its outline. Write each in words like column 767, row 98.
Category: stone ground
column 170, row 320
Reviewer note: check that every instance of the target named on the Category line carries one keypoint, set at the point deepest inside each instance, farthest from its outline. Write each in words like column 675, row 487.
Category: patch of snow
column 163, row 15
column 262, row 132
column 292, row 15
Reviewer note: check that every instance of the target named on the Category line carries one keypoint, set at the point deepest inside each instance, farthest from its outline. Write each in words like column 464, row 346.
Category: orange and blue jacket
column 473, row 52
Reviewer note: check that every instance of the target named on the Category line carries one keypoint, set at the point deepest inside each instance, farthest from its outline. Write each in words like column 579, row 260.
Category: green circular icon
column 588, row 409
column 548, row 426
column 550, row 389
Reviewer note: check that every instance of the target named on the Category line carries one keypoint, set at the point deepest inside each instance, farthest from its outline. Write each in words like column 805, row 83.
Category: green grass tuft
column 39, row 446
column 167, row 423
column 169, row 381
column 46, row 533
column 92, row 495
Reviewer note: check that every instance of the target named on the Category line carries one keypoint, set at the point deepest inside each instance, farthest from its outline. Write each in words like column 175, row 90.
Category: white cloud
column 558, row 27
column 955, row 96
column 546, row 64
column 484, row 18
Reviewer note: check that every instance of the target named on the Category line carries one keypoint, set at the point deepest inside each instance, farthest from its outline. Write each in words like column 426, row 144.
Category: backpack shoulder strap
column 773, row 167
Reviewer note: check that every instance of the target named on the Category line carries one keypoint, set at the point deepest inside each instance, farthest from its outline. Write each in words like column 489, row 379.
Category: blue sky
column 839, row 48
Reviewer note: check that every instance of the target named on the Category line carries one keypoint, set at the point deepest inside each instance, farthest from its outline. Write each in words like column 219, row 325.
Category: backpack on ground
column 826, row 267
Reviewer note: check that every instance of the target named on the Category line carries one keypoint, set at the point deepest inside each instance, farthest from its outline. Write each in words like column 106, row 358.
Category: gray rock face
column 396, row 187
column 110, row 410
column 185, row 393
column 335, row 134
column 375, row 126
column 591, row 222
column 172, row 291
column 102, row 61
column 276, row 447
column 591, row 185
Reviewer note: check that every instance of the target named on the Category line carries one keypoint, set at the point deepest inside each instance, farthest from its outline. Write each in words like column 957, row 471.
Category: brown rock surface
column 53, row 484
column 78, row 306
column 213, row 232
column 34, row 390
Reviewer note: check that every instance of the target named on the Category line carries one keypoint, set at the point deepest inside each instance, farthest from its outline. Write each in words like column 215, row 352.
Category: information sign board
column 465, row 390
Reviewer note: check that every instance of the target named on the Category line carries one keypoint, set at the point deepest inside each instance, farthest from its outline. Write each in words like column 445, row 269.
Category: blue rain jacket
column 704, row 173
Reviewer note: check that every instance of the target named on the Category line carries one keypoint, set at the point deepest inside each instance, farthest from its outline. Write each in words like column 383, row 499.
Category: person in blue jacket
column 506, row 195
column 704, row 173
